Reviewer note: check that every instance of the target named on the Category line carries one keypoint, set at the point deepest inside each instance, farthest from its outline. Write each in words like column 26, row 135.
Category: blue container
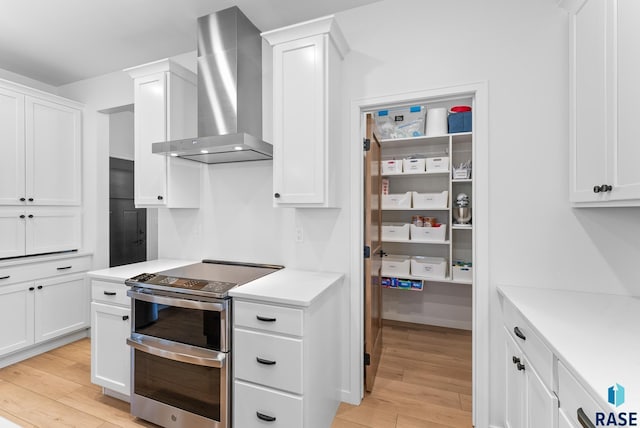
column 460, row 122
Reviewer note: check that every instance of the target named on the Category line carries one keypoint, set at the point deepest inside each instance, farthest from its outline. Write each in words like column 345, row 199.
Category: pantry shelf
column 409, row 241
column 447, row 280
column 415, row 209
column 461, row 227
column 413, row 174
column 462, row 180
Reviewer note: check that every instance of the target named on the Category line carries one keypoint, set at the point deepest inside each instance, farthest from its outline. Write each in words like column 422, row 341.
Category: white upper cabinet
column 165, row 109
column 53, row 166
column 604, row 64
column 307, row 61
column 41, row 146
column 12, row 175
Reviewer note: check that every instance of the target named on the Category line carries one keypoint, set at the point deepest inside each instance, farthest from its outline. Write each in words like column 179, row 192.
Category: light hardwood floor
column 424, row 381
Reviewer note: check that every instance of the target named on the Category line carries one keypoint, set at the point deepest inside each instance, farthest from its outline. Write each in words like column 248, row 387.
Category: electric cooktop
column 213, row 278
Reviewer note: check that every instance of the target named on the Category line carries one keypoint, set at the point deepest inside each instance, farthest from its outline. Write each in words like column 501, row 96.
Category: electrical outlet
column 299, row 235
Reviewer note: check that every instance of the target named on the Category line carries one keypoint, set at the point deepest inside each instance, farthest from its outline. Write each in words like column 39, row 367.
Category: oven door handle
column 174, row 301
column 178, row 352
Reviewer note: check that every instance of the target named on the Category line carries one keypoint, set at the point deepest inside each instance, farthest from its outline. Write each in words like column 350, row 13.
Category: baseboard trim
column 41, row 348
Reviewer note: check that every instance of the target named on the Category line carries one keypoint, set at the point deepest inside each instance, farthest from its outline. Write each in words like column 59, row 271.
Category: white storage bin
column 413, row 165
column 428, row 234
column 395, row 231
column 391, row 166
column 430, row 200
column 397, row 200
column 396, row 265
column 462, row 273
column 429, row 267
column 437, row 164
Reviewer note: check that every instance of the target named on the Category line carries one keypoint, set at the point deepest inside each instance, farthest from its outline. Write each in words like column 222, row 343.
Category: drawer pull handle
column 64, row 267
column 518, row 333
column 109, row 293
column 125, row 317
column 515, row 360
column 584, row 419
column 520, row 366
column 265, row 319
column 265, row 362
column 265, row 418
column 5, row 277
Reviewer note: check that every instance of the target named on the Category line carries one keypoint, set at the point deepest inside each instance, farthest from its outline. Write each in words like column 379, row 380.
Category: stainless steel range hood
column 229, row 93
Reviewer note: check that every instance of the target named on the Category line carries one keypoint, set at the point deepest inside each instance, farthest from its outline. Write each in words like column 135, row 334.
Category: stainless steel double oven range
column 181, row 342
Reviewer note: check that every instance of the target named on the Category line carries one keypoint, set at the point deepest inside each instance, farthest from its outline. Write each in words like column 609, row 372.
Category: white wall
column 121, row 135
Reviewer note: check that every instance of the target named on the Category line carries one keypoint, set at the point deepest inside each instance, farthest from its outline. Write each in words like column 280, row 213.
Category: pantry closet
column 426, row 210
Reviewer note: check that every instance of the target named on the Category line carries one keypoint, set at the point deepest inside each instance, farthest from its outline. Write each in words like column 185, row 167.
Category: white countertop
column 597, row 336
column 288, row 287
column 120, row 273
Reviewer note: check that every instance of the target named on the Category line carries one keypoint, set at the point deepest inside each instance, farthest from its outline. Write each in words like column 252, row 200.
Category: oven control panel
column 172, row 282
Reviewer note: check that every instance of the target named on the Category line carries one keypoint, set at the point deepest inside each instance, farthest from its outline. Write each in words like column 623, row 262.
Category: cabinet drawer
column 573, row 397
column 43, row 269
column 253, row 402
column 110, row 292
column 276, row 319
column 269, row 360
column 535, row 350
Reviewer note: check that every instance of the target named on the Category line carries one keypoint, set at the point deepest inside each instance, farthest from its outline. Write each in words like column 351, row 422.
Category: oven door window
column 193, row 388
column 195, row 327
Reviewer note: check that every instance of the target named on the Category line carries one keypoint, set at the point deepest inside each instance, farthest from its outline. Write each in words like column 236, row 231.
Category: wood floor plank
column 411, row 422
column 38, row 381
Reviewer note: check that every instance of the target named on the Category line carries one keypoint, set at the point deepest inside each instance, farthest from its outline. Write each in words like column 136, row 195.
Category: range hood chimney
column 229, row 93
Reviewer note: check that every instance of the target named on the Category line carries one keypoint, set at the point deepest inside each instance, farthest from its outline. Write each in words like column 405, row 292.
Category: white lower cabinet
column 110, row 327
column 575, row 402
column 283, row 373
column 41, row 301
column 111, row 362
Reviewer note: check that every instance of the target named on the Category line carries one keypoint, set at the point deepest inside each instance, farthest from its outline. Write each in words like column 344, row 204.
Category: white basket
column 395, row 265
column 430, row 200
column 391, row 167
column 403, row 122
column 396, row 200
column 462, row 273
column 437, row 164
column 413, row 165
column 428, row 234
column 395, row 231
column 429, row 267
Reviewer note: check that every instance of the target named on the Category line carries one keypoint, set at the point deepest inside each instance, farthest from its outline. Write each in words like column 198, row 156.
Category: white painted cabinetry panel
column 306, row 88
column 604, row 66
column 261, row 407
column 16, row 311
column 110, row 354
column 12, row 231
column 165, row 109
column 53, row 153
column 52, row 229
column 12, row 178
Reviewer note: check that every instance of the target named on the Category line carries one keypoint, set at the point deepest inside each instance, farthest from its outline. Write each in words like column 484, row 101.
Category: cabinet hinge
column 367, row 251
column 366, row 144
column 367, row 359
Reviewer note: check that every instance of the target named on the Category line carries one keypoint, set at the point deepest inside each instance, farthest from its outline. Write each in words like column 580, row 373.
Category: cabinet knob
column 520, row 366
column 30, row 199
column 276, row 195
column 515, row 360
column 125, row 317
column 606, row 188
column 30, row 216
column 22, row 216
column 597, row 189
column 39, row 287
column 160, row 198
column 22, row 199
column 31, row 288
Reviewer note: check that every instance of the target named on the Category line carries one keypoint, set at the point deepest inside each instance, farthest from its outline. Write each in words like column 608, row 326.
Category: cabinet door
column 150, row 124
column 16, row 317
column 12, row 186
column 110, row 354
column 52, row 229
column 542, row 404
column 515, row 385
column 589, row 135
column 300, row 121
column 61, row 306
column 626, row 151
column 12, row 232
column 53, row 153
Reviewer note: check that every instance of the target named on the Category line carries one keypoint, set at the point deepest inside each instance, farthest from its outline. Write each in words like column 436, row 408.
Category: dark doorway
column 127, row 224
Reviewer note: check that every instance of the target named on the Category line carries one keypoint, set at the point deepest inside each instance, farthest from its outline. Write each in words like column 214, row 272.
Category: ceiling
column 63, row 41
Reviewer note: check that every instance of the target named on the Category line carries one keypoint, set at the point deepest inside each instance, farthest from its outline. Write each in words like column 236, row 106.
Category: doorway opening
column 422, row 277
